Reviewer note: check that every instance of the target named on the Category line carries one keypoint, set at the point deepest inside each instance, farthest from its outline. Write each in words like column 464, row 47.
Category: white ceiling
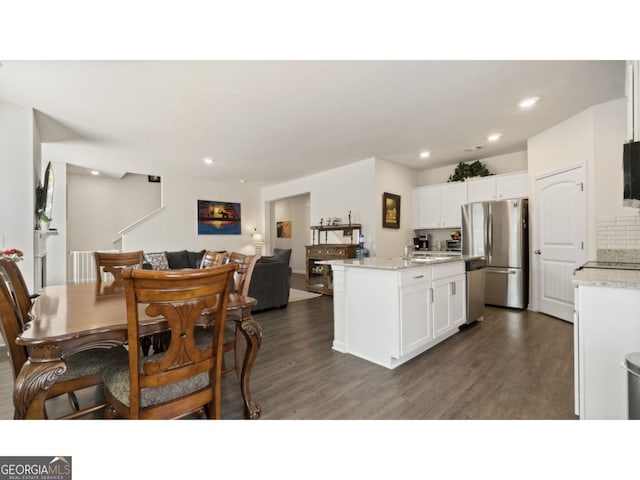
column 272, row 121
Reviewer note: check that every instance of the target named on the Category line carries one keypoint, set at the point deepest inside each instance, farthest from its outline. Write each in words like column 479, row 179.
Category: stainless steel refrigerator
column 498, row 231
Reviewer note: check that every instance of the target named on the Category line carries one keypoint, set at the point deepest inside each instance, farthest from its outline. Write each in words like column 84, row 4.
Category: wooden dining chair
column 114, row 263
column 241, row 282
column 84, row 369
column 213, row 259
column 18, row 289
column 184, row 379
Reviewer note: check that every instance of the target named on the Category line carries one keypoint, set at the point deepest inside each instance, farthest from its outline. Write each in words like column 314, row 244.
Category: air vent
column 473, row 149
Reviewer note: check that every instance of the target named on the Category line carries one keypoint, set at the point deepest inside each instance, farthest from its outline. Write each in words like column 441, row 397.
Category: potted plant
column 44, row 222
column 468, row 170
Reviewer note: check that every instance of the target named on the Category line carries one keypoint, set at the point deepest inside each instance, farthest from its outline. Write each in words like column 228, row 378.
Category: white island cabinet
column 606, row 329
column 389, row 311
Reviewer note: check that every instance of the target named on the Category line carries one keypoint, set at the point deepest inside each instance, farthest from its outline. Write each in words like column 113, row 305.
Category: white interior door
column 560, row 233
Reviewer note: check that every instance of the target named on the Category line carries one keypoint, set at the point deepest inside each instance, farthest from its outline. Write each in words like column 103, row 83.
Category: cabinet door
column 441, row 316
column 512, row 186
column 449, row 307
column 427, row 207
column 454, row 195
column 482, row 190
column 415, row 321
column 458, row 300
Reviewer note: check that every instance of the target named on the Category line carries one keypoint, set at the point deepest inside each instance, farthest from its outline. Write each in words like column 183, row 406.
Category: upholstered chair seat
column 116, row 379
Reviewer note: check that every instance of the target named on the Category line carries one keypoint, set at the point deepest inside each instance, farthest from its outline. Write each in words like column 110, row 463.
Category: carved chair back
column 11, row 328
column 181, row 298
column 242, row 277
column 18, row 289
column 115, row 263
column 214, row 259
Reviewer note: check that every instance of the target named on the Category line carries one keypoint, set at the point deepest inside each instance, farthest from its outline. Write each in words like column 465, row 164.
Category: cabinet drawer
column 325, row 252
column 414, row 276
column 316, row 252
column 447, row 270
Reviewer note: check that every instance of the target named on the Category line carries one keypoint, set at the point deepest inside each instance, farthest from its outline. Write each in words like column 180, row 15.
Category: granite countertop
column 607, row 278
column 383, row 263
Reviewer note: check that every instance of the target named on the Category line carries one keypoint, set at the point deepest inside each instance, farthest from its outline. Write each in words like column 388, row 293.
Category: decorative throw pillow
column 195, row 258
column 178, row 259
column 158, row 261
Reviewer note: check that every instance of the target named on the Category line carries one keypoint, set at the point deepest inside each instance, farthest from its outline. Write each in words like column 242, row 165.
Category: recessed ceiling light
column 529, row 102
column 208, row 160
column 95, row 172
column 243, row 181
column 425, row 154
column 494, row 137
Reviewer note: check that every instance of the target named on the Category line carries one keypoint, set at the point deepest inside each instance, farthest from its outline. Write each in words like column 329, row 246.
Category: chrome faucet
column 407, row 249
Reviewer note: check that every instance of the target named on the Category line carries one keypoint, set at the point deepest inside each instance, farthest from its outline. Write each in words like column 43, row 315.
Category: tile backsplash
column 618, row 239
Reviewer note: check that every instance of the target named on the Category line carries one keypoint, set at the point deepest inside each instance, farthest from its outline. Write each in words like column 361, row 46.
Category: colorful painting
column 284, row 229
column 218, row 218
column 390, row 210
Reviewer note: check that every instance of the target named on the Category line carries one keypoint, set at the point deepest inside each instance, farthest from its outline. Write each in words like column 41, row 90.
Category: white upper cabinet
column 498, row 187
column 454, row 195
column 438, row 206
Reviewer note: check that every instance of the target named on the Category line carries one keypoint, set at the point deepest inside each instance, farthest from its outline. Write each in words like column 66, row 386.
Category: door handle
column 537, row 252
column 504, row 271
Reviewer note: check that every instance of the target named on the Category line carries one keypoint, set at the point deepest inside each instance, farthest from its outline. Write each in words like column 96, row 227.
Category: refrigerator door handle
column 489, row 248
column 501, row 270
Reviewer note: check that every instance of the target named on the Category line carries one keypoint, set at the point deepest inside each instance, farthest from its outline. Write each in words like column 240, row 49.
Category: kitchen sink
column 425, row 259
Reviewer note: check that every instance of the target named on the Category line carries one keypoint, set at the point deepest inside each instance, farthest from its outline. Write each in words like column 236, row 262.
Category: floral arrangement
column 12, row 254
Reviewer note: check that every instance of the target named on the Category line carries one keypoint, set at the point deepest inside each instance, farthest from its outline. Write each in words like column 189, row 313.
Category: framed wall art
column 283, row 229
column 219, row 218
column 390, row 210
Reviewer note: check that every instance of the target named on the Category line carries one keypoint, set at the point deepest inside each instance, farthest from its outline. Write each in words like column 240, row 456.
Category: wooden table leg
column 252, row 332
column 31, row 388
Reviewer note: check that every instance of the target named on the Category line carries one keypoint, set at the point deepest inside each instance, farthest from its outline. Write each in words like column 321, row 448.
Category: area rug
column 296, row 295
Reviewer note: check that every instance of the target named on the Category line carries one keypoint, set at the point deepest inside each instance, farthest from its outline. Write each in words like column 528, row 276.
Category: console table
column 320, row 277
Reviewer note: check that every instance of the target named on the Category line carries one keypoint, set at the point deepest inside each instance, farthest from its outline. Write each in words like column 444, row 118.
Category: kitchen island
column 389, row 310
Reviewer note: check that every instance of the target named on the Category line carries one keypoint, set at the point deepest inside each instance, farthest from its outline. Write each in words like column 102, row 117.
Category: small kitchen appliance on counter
column 422, row 242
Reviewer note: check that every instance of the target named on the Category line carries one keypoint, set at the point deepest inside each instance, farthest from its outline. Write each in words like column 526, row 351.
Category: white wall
column 610, row 125
column 99, row 207
column 398, row 180
column 510, row 162
column 332, row 194
column 175, row 227
column 17, row 188
column 296, row 209
column 57, row 245
column 357, row 187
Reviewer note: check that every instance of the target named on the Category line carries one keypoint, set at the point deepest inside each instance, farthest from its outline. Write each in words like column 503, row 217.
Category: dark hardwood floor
column 513, row 365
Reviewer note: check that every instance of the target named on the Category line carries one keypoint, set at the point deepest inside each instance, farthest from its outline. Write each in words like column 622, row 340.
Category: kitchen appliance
column 475, row 272
column 421, row 242
column 454, row 246
column 631, row 174
column 498, row 231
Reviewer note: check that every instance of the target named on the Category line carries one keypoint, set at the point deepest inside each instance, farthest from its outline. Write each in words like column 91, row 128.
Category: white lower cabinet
column 415, row 317
column 448, row 304
column 388, row 316
column 606, row 329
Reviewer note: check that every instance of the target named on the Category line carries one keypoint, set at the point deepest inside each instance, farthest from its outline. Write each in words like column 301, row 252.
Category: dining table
column 70, row 318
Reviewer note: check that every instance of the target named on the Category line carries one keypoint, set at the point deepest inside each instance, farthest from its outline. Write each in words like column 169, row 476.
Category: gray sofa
column 270, row 282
